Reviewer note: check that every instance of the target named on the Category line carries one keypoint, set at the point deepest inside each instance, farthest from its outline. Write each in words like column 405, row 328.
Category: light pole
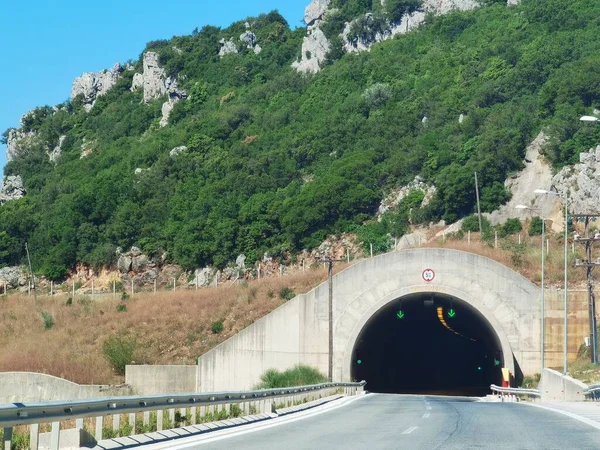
column 589, row 265
column 543, row 332
column 565, row 200
column 330, row 262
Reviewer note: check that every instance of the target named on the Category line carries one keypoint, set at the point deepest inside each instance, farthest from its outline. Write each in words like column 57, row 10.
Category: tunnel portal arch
column 508, row 303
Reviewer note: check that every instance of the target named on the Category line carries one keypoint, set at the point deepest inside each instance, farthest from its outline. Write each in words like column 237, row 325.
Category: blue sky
column 46, row 44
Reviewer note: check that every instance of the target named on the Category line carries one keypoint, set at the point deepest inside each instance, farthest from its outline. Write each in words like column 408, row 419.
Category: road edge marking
column 206, row 438
column 409, row 430
column 582, row 419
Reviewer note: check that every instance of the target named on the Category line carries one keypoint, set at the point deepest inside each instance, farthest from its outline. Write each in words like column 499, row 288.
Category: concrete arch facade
column 297, row 332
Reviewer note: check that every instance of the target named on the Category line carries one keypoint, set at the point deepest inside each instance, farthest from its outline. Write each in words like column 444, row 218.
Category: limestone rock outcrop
column 19, row 142
column 11, row 189
column 396, row 196
column 249, row 38
column 93, row 85
column 12, row 277
column 316, row 46
column 582, row 184
column 408, row 22
column 133, row 261
column 57, row 151
column 178, row 151
column 537, row 174
column 155, row 83
column 315, row 11
column 206, row 277
column 228, row 47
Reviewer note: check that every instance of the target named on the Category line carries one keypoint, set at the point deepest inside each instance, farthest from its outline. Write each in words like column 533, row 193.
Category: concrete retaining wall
column 556, row 387
column 28, row 387
column 150, row 380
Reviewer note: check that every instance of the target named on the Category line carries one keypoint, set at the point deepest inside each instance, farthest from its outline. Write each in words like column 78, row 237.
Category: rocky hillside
column 262, row 141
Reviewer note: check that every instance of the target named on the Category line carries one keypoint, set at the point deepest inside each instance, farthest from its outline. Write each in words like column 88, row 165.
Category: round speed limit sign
column 428, row 275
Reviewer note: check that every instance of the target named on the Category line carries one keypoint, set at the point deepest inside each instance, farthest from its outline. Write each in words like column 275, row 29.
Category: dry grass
column 170, row 327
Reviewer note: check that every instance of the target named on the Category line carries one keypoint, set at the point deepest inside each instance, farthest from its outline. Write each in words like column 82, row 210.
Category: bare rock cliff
column 93, row 85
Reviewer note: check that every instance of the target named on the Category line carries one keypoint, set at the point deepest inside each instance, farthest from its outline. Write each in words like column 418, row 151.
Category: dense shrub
column 511, row 226
column 48, row 320
column 535, row 226
column 217, row 327
column 119, row 350
column 286, row 293
column 297, row 376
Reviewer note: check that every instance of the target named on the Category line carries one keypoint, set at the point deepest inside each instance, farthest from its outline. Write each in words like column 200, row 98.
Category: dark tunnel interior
column 428, row 344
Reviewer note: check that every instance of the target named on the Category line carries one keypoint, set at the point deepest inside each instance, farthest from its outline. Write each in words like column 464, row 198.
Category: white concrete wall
column 151, row 380
column 288, row 336
column 297, row 332
column 28, row 387
column 556, row 387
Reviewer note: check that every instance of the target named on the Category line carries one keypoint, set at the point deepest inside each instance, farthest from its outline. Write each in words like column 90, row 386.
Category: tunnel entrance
column 428, row 343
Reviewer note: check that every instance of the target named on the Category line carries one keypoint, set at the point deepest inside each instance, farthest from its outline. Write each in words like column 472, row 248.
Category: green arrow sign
column 359, row 362
column 451, row 313
column 496, row 362
column 400, row 314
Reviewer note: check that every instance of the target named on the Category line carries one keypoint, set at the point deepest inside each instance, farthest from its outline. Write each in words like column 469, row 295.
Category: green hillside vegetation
column 278, row 160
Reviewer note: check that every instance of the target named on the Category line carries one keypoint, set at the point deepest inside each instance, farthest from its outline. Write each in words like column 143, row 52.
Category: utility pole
column 31, row 275
column 589, row 267
column 330, row 262
column 478, row 206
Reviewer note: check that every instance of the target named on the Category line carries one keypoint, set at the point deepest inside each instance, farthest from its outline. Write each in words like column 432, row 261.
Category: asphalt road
column 379, row 421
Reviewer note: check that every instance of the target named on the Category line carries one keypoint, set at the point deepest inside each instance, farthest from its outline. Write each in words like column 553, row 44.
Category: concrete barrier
column 21, row 387
column 557, row 387
column 150, row 380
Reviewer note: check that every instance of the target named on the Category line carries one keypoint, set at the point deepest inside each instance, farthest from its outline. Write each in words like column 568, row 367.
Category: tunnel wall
column 297, row 332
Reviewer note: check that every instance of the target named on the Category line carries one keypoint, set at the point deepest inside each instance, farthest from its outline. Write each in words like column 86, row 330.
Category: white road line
column 426, row 416
column 202, row 439
column 429, row 408
column 585, row 420
column 409, row 430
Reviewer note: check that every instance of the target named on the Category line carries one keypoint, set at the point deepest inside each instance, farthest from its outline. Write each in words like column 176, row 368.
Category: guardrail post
column 55, row 436
column 193, row 415
column 159, row 420
column 183, row 414
column 99, row 426
column 172, row 416
column 146, row 420
column 34, row 436
column 132, row 422
column 8, row 432
column 116, row 422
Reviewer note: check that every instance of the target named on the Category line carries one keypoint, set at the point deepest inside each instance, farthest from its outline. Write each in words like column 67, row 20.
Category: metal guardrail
column 592, row 392
column 511, row 394
column 19, row 414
